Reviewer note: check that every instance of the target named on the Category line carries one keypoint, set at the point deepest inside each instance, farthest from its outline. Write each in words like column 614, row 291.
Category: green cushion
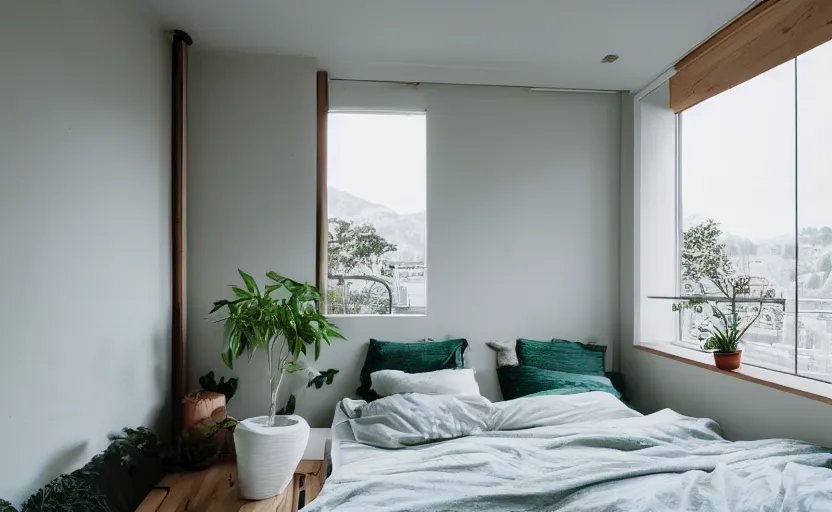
column 423, row 356
column 562, row 356
column 519, row 381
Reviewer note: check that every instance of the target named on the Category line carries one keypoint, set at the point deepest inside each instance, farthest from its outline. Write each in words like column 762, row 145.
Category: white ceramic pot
column 267, row 456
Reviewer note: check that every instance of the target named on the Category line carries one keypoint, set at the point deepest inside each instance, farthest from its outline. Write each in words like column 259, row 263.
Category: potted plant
column 706, row 266
column 725, row 339
column 282, row 321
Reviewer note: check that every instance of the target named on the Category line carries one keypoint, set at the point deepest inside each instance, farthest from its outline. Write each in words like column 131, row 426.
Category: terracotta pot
column 728, row 361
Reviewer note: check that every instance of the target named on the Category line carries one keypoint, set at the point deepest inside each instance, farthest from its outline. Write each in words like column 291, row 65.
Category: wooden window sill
column 801, row 386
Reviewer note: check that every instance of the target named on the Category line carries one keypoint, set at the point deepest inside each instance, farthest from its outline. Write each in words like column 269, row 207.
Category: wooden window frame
column 322, row 225
column 767, row 35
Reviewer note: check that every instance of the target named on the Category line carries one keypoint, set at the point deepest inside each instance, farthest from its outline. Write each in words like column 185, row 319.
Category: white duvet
column 585, row 452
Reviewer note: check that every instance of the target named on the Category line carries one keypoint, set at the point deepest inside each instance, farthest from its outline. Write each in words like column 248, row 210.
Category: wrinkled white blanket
column 585, row 452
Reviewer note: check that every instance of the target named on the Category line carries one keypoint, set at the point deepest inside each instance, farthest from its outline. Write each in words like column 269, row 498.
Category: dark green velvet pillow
column 562, row 356
column 617, row 379
column 422, row 356
column 518, row 381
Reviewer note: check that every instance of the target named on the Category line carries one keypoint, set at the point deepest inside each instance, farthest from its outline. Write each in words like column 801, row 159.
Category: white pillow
column 459, row 381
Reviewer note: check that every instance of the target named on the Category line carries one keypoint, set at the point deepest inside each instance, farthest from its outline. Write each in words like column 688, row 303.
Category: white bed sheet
column 340, row 433
column 582, row 453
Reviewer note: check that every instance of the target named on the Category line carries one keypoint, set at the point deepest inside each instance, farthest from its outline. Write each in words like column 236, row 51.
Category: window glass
column 376, row 202
column 814, row 212
column 737, row 167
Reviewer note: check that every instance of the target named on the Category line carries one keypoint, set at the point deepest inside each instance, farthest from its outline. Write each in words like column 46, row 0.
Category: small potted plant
column 725, row 339
column 282, row 321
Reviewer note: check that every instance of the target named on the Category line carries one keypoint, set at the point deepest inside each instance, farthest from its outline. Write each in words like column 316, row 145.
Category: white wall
column 84, row 241
column 251, row 193
column 522, row 215
column 655, row 217
column 744, row 409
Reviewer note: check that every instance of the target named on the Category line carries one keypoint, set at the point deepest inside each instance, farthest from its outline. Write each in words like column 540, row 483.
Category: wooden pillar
column 179, row 165
column 323, row 224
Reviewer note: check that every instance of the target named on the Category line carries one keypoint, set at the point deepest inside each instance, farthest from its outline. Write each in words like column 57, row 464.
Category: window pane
column 738, row 168
column 814, row 178
column 376, row 208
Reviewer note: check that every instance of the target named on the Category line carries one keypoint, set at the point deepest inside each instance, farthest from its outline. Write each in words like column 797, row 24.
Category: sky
column 380, row 158
column 738, row 151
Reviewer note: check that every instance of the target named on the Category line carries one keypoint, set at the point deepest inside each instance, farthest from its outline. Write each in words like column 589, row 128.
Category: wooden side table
column 216, row 490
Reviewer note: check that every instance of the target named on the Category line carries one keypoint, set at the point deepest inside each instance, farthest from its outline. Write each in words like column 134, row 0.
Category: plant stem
column 275, row 389
column 272, row 404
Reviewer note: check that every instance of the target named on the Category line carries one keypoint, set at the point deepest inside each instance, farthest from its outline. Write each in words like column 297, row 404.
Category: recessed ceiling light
column 609, row 59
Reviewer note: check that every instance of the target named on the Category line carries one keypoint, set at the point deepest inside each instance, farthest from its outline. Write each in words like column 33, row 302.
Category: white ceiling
column 549, row 43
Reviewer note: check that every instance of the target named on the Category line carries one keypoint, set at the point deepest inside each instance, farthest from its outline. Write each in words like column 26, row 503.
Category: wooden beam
column 179, row 165
column 771, row 33
column 322, row 221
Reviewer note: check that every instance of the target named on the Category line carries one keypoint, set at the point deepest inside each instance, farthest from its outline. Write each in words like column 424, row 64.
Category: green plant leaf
column 251, row 284
column 218, row 305
column 256, row 321
column 207, row 382
column 229, row 389
column 333, row 332
column 290, row 407
column 228, row 358
column 239, row 292
column 274, row 276
column 292, row 367
column 329, row 375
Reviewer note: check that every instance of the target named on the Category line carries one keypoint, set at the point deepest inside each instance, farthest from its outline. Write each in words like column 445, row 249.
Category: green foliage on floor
column 116, row 480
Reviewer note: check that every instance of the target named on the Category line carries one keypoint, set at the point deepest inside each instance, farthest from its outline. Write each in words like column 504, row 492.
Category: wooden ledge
column 801, row 386
column 215, row 489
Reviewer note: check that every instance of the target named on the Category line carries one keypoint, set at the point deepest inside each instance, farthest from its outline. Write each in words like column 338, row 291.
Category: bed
column 578, row 452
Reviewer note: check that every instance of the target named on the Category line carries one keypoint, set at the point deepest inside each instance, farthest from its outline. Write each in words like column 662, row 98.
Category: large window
column 755, row 171
column 376, row 202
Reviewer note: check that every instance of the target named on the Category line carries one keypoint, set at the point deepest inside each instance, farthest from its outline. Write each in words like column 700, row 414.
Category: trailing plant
column 289, row 408
column 282, row 320
column 227, row 388
column 115, row 480
column 203, row 443
column 322, row 379
column 68, row 493
column 136, row 445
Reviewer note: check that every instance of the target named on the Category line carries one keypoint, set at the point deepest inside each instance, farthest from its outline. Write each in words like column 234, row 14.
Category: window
column 376, row 211
column 755, row 171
